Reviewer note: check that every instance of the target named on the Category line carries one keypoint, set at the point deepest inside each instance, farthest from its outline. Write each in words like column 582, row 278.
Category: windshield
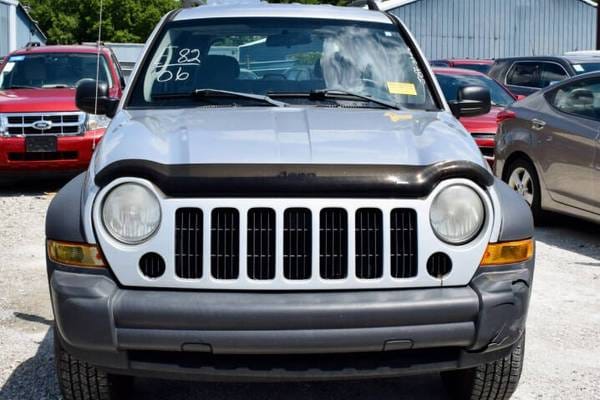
column 451, row 83
column 586, row 67
column 51, row 70
column 276, row 57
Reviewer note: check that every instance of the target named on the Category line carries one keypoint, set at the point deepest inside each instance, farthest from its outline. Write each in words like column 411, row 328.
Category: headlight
column 457, row 214
column 96, row 122
column 131, row 213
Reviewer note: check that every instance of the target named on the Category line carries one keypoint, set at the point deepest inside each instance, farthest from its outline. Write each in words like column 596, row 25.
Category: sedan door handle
column 537, row 124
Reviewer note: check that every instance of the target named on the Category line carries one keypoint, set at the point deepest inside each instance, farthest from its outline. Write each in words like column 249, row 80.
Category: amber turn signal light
column 75, row 254
column 508, row 252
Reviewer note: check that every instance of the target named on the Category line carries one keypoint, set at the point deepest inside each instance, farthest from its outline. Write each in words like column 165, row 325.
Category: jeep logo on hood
column 42, row 125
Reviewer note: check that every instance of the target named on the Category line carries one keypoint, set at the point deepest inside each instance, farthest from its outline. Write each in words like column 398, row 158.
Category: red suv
column 41, row 129
column 482, row 127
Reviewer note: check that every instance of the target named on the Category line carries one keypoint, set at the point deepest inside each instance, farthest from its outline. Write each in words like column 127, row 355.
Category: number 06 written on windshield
column 166, row 75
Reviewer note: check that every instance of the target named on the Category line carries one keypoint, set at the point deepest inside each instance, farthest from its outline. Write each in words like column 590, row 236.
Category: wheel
column 496, row 380
column 79, row 380
column 522, row 177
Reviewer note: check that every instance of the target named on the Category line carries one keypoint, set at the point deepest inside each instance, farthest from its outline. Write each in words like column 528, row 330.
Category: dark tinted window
column 524, row 74
column 439, row 63
column 580, row 98
column 586, row 67
column 551, row 73
column 451, row 83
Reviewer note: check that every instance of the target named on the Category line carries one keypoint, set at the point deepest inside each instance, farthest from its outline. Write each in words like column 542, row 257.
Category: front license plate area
column 40, row 144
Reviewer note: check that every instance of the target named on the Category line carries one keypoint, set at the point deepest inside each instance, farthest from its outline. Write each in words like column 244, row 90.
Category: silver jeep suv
column 332, row 223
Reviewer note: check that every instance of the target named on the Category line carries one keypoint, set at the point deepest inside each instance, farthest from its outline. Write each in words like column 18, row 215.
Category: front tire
column 79, row 380
column 495, row 380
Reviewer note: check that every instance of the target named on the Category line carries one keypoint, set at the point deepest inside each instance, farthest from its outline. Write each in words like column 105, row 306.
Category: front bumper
column 73, row 153
column 292, row 336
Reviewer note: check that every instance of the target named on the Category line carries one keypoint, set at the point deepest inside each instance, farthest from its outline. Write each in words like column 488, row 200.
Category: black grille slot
column 403, row 226
column 188, row 243
column 152, row 265
column 368, row 243
column 70, row 119
column 439, row 265
column 261, row 243
column 333, row 251
column 297, row 243
column 224, row 247
column 54, row 130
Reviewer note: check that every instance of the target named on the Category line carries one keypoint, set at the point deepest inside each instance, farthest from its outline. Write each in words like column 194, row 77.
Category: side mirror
column 520, row 97
column 471, row 102
column 85, row 98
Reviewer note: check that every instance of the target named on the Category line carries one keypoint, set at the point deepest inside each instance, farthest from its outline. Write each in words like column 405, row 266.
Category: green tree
column 68, row 21
column 74, row 21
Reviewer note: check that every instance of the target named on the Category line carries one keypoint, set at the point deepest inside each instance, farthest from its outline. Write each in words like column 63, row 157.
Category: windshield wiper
column 216, row 93
column 323, row 94
column 56, row 86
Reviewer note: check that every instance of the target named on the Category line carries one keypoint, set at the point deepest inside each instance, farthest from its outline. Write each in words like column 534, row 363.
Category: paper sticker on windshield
column 578, row 68
column 16, row 58
column 405, row 88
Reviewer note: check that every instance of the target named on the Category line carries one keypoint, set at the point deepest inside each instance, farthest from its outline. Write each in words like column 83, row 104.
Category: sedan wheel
column 521, row 182
column 522, row 177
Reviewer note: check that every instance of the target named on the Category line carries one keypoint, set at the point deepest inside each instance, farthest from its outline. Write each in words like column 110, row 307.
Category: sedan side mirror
column 86, row 100
column 471, row 102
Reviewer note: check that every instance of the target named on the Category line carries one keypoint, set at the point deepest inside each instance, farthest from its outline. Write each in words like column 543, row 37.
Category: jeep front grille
column 62, row 124
column 368, row 243
column 261, row 243
column 297, row 243
column 333, row 254
column 188, row 243
column 224, row 243
column 403, row 226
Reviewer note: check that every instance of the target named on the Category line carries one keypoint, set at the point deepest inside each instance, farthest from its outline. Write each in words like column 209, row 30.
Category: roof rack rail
column 29, row 45
column 372, row 5
column 192, row 3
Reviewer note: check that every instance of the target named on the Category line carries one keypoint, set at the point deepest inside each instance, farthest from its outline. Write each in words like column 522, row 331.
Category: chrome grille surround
column 466, row 258
column 61, row 123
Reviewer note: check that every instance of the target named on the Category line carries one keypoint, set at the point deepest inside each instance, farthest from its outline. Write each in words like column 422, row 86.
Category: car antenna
column 97, row 71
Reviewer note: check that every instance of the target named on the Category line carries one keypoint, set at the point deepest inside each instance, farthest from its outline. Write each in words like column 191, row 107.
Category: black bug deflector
column 295, row 180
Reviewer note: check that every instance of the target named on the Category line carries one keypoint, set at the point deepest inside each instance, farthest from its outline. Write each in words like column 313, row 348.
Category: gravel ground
column 562, row 352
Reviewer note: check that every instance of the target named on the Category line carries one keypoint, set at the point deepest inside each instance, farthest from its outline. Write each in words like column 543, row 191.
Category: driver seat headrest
column 219, row 68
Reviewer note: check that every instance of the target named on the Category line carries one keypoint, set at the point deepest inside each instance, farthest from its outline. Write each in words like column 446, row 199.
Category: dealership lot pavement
column 562, row 351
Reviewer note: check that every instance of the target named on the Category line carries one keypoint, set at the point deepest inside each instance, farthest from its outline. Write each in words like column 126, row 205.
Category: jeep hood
column 285, row 136
column 37, row 100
